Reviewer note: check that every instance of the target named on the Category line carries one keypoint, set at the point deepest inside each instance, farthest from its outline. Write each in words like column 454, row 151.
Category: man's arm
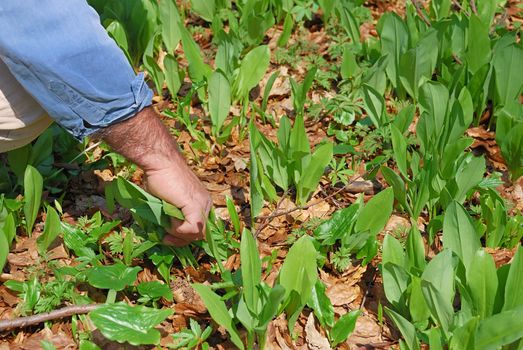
column 145, row 141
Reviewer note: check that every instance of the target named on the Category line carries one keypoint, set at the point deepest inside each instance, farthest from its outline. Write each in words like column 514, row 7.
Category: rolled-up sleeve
column 63, row 57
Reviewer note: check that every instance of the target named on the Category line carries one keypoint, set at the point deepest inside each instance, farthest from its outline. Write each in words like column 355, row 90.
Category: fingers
column 189, row 230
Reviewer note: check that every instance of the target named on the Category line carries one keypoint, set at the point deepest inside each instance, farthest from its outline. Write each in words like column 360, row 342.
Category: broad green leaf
column 88, row 345
column 398, row 186
column 255, row 180
column 251, row 270
column 115, row 277
column 463, row 337
column 483, row 283
column 440, row 307
column 418, row 308
column 300, row 262
column 338, row 226
column 514, row 284
column 252, row 68
column 374, row 105
column 270, row 310
column 394, row 40
column 155, row 290
column 500, row 329
column 478, row 53
column 219, row 312
column 172, row 74
column 311, row 175
column 288, row 24
column 407, row 329
column 415, row 248
column 321, row 305
column 404, row 118
column 172, row 211
column 33, row 184
column 395, row 283
column 4, row 249
column 344, row 327
column 126, row 324
column 512, row 150
column 399, row 146
column 440, row 273
column 376, row 213
column 486, row 10
column 468, row 176
column 508, row 75
column 117, row 31
column 233, row 214
column 459, row 234
column 440, row 8
column 419, row 63
column 52, row 229
column 198, row 70
column 392, row 251
column 219, row 100
column 170, row 19
column 204, row 8
column 349, row 66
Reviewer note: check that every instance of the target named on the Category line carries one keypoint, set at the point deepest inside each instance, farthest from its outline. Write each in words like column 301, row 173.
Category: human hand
column 181, row 188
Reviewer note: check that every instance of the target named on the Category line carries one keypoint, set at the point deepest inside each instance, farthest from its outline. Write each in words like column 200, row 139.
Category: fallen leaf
column 315, row 340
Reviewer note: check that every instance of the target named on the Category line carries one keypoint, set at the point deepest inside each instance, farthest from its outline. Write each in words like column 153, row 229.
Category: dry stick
column 420, row 13
column 267, row 219
column 27, row 321
column 473, row 7
column 458, row 5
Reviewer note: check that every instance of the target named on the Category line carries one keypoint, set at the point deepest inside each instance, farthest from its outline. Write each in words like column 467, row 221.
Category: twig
column 27, row 321
column 458, row 5
column 420, row 13
column 473, row 7
column 268, row 219
column 457, row 59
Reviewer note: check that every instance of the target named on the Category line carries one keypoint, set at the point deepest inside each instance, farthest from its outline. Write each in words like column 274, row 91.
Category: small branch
column 473, row 7
column 27, row 321
column 458, row 5
column 269, row 218
column 457, row 59
column 420, row 13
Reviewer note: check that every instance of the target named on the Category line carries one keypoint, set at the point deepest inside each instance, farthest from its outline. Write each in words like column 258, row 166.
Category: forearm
column 145, row 141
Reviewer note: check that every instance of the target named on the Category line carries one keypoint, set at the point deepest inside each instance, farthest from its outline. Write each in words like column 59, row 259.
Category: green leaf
column 312, row 174
column 198, row 70
column 483, row 283
column 440, row 307
column 52, row 228
column 399, row 146
column 219, row 100
column 233, row 214
column 395, row 283
column 501, row 329
column 33, row 184
column 394, row 40
column 115, row 277
column 251, row 270
column 251, row 71
column 288, row 24
column 463, row 337
column 374, row 105
column 418, row 308
column 349, row 66
column 478, row 53
column 512, row 150
column 338, row 226
column 204, row 8
column 406, row 328
column 416, row 249
column 4, row 249
column 219, row 312
column 155, row 290
column 440, row 273
column 393, row 252
column 514, row 284
column 508, row 75
column 398, row 186
column 321, row 305
column 170, row 19
column 376, row 213
column 173, row 78
column 459, row 233
column 271, row 307
column 134, row 325
column 344, row 327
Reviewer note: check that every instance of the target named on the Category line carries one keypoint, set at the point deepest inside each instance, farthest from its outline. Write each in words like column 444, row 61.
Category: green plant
column 191, row 338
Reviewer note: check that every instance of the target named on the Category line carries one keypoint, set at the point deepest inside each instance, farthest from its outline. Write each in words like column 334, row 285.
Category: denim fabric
column 63, row 57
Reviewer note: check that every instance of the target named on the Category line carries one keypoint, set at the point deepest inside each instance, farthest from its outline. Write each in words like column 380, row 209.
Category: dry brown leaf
column 343, row 294
column 315, row 340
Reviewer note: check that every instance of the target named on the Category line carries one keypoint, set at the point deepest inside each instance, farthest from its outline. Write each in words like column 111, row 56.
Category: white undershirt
column 22, row 119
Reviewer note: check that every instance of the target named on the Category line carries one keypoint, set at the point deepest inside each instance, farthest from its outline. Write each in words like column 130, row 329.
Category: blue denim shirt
column 61, row 55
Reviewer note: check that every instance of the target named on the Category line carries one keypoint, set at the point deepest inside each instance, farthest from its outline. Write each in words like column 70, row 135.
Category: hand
column 144, row 140
column 180, row 187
